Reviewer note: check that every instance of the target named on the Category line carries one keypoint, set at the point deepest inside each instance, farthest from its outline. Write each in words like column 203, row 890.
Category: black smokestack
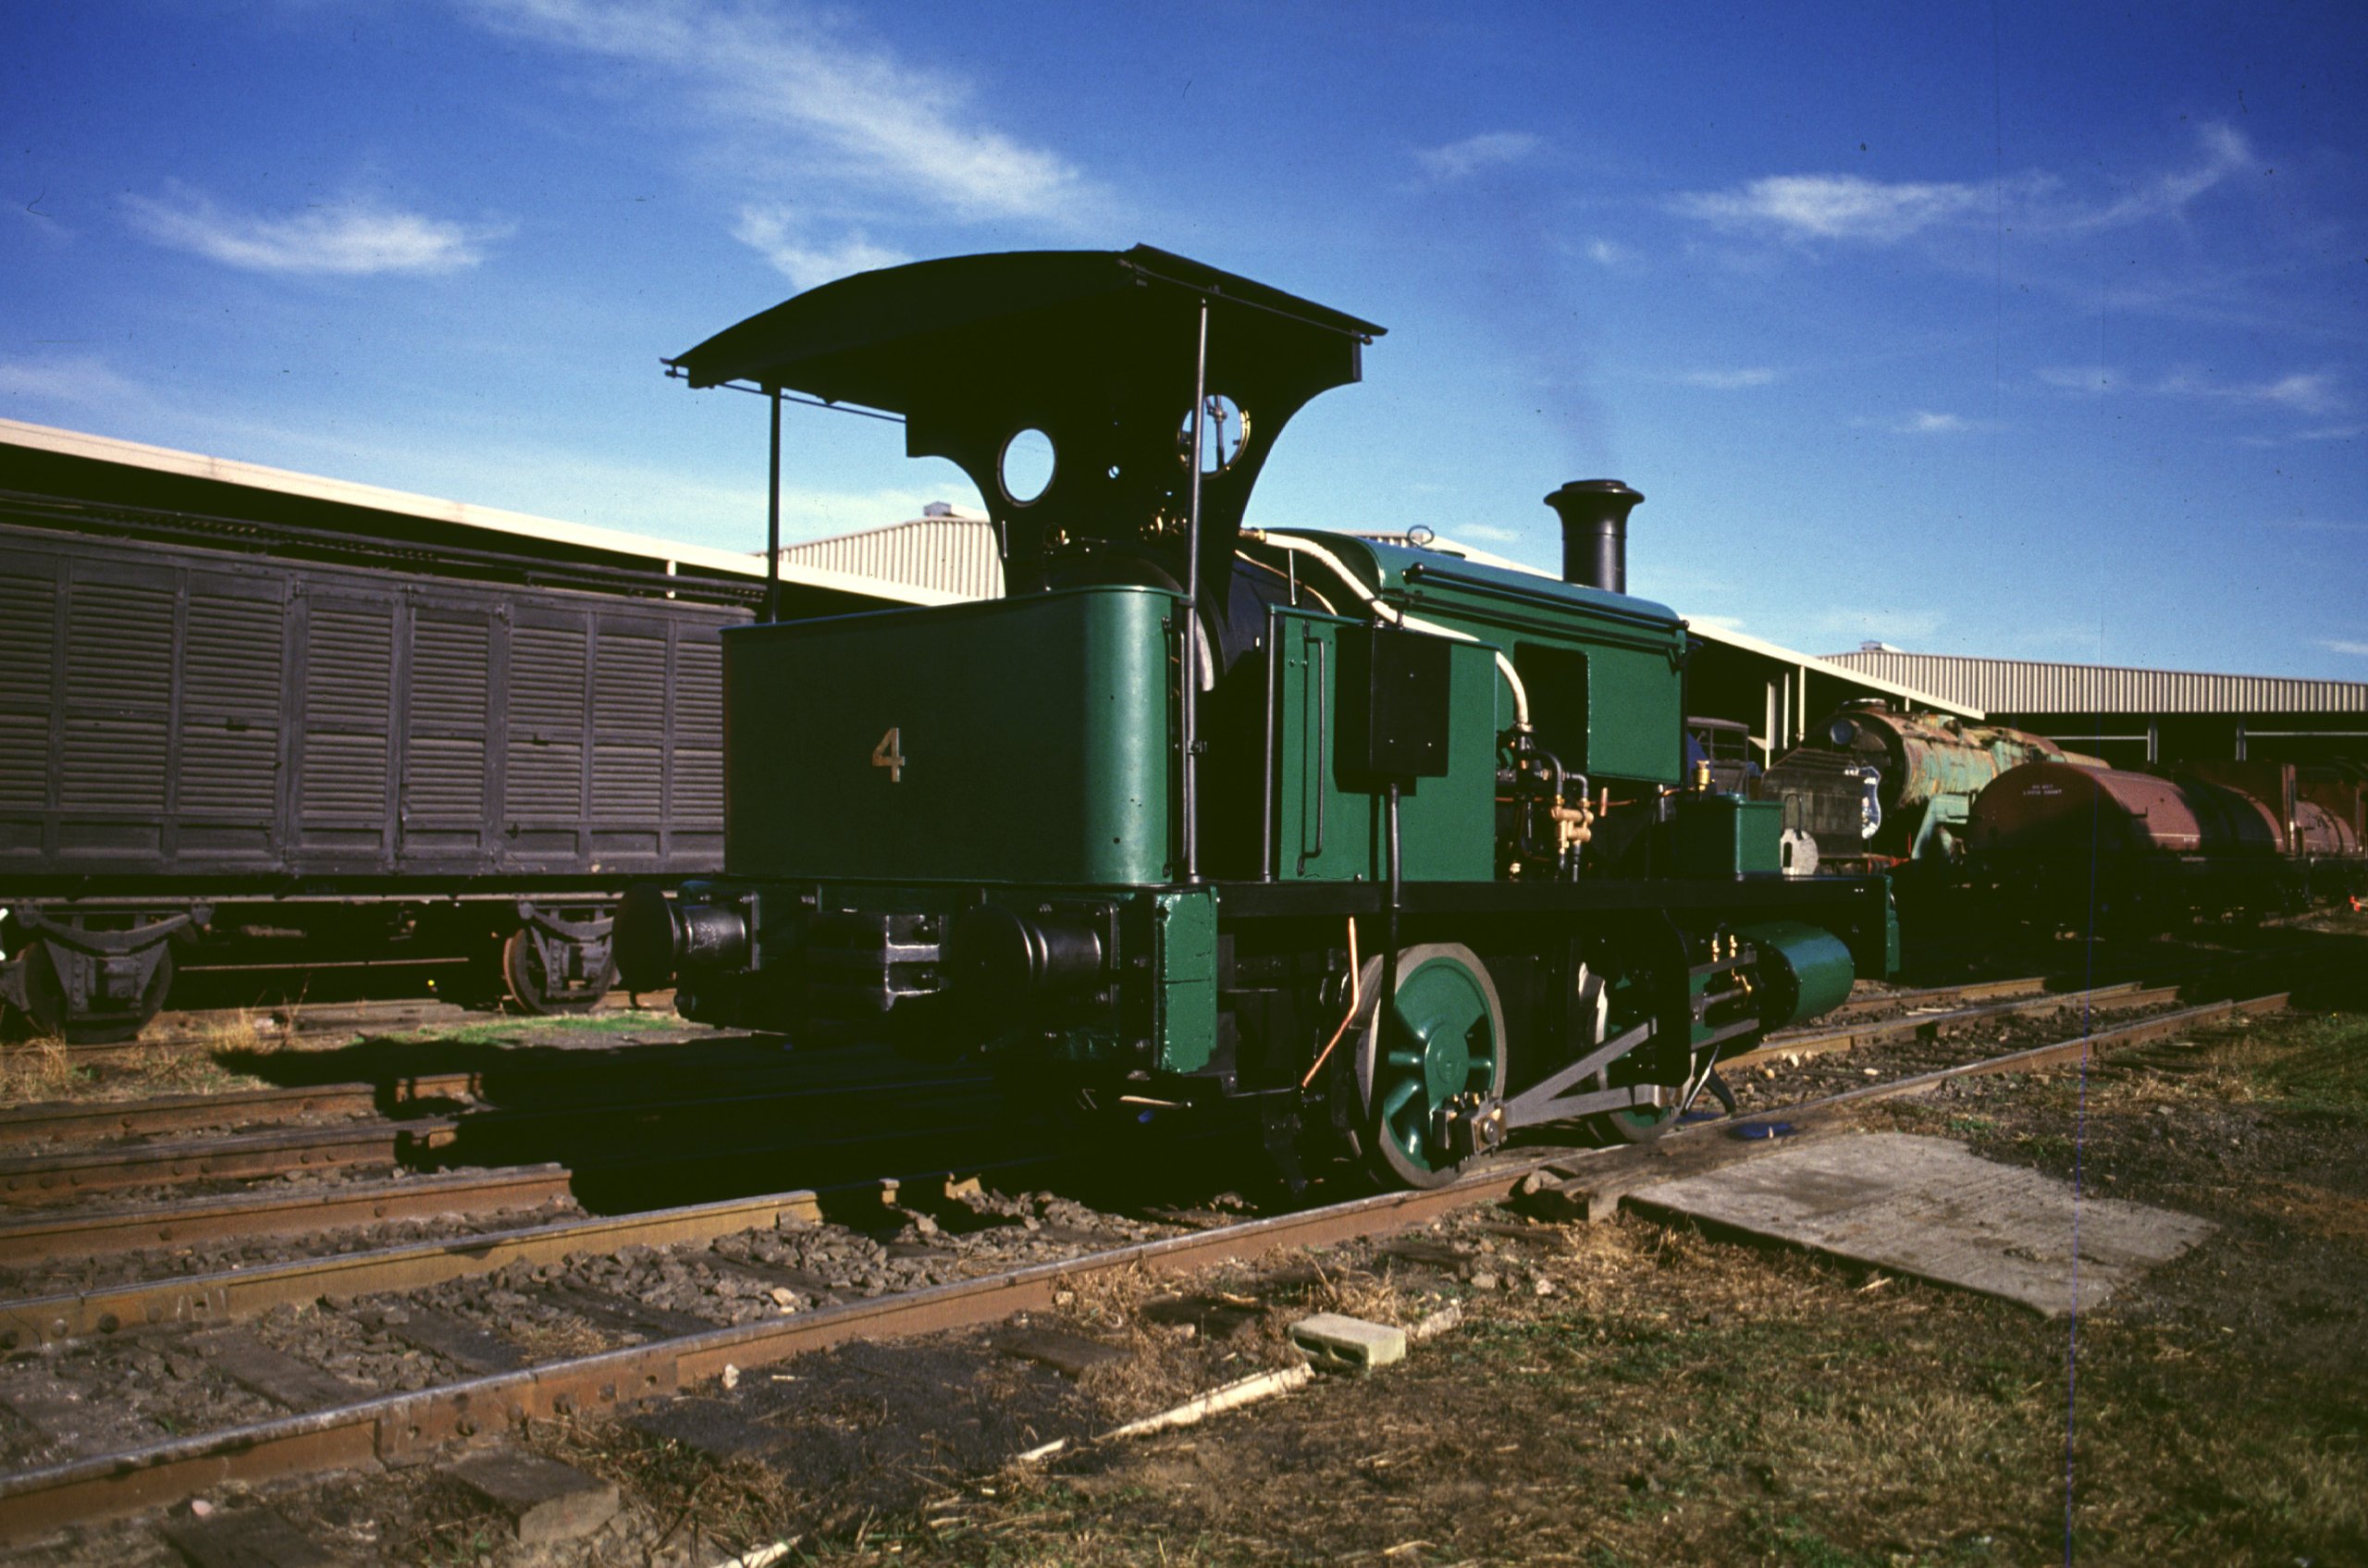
column 1595, row 531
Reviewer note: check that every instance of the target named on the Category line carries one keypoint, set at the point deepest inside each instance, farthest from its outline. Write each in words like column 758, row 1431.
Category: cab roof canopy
column 1095, row 349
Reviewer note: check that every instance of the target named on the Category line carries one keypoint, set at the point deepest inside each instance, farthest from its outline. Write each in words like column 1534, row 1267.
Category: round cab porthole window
column 1224, row 429
column 1026, row 470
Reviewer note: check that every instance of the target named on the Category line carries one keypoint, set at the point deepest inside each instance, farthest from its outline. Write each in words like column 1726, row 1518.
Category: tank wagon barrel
column 1389, row 851
column 2106, row 846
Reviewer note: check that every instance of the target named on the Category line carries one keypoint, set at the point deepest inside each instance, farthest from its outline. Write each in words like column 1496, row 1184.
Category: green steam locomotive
column 1398, row 851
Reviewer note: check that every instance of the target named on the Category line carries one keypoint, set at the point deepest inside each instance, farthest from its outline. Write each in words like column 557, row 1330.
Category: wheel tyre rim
column 1442, row 1035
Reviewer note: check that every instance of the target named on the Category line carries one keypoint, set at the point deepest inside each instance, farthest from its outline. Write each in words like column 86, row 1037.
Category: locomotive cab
column 1397, row 851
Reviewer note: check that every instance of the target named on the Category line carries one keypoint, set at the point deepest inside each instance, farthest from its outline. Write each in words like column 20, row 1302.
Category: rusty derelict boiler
column 1396, row 851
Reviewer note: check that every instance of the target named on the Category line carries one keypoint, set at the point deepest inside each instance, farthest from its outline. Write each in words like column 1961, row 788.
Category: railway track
column 673, row 1298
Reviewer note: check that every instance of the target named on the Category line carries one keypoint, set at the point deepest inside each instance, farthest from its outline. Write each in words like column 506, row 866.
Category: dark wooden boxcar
column 233, row 757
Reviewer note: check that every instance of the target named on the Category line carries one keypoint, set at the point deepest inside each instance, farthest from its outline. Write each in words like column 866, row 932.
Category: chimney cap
column 1577, row 487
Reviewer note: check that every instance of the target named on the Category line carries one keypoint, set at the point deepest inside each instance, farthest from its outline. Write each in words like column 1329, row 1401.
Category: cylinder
column 1803, row 970
column 1595, row 532
column 1002, row 958
column 655, row 938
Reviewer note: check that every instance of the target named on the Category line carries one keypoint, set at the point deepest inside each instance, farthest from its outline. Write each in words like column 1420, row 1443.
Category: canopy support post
column 772, row 515
column 1188, row 718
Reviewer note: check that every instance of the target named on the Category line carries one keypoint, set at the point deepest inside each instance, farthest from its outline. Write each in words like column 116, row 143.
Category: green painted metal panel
column 1185, row 933
column 1325, row 831
column 1032, row 742
column 1725, row 836
column 1633, row 647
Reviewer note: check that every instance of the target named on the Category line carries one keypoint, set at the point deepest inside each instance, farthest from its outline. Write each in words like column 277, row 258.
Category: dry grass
column 1679, row 1400
column 48, row 1069
column 39, row 1069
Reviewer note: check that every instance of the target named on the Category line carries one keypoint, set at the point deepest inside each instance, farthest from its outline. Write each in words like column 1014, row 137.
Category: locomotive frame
column 1392, row 848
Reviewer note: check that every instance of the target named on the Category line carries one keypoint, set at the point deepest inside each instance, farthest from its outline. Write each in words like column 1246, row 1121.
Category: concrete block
column 545, row 1501
column 1348, row 1344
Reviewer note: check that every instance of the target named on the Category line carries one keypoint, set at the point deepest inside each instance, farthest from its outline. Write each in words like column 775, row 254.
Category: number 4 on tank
column 890, row 753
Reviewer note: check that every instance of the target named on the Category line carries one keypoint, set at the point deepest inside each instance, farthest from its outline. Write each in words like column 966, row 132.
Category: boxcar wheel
column 529, row 982
column 45, row 1001
column 1442, row 1035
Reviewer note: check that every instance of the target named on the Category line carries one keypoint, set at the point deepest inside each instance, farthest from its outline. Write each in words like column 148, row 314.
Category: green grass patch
column 2318, row 1070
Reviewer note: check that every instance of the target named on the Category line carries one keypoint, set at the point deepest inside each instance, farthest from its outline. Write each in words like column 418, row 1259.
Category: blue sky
column 2034, row 330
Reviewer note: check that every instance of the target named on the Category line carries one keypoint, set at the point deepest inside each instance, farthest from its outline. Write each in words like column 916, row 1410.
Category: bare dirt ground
column 1624, row 1393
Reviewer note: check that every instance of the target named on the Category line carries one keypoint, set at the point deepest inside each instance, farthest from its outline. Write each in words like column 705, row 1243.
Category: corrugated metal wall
column 2014, row 686
column 955, row 555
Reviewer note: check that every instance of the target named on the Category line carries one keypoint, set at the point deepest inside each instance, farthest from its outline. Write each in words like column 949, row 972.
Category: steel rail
column 87, row 1120
column 393, row 1427
column 1780, row 1047
column 43, row 1237
column 50, row 1178
column 1595, row 1185
column 1972, row 991
column 396, row 1428
column 238, row 1293
column 737, row 1084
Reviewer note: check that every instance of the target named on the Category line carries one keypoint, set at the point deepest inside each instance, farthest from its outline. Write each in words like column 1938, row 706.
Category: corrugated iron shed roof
column 2016, row 685
column 517, row 525
column 953, row 554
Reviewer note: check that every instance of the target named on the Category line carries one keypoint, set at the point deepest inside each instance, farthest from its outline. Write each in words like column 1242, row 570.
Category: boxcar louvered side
column 221, row 749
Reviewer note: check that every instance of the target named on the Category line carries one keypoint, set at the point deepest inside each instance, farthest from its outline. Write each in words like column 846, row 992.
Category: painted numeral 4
column 889, row 754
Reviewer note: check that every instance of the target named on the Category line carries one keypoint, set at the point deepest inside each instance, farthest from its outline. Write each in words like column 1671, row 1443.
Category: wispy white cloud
column 351, row 239
column 1729, row 380
column 2313, row 392
column 1880, row 624
column 1604, row 252
column 82, row 381
column 1831, row 206
column 1490, row 149
column 774, row 231
column 788, row 69
column 1851, row 208
column 2340, row 645
column 1925, row 422
column 2225, row 153
column 1489, row 532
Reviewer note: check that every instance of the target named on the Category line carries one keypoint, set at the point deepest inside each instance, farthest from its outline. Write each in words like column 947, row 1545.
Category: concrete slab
column 1928, row 1207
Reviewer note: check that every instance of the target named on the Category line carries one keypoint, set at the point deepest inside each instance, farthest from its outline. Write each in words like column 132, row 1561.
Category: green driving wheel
column 1442, row 1035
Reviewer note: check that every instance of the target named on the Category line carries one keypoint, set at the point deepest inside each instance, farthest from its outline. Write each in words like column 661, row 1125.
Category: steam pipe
column 1385, row 611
